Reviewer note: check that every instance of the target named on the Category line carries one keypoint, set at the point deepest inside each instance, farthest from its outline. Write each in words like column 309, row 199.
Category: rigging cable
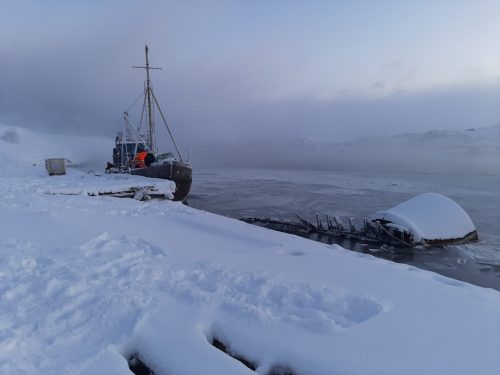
column 168, row 128
column 135, row 101
column 142, row 112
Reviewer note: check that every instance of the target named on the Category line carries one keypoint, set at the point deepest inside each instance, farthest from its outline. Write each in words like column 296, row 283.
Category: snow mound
column 430, row 216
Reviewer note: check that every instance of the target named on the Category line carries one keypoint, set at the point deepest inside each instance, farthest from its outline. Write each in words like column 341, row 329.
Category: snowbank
column 88, row 281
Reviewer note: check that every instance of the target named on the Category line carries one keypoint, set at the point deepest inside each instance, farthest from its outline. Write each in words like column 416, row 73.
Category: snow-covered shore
column 85, row 281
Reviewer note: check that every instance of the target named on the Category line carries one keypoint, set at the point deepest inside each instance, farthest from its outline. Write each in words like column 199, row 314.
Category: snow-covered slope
column 20, row 146
column 87, row 281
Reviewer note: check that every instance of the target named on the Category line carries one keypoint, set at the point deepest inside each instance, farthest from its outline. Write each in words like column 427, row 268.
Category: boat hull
column 178, row 172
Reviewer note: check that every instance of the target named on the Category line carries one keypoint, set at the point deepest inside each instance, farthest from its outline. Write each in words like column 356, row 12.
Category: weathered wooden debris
column 426, row 220
column 140, row 193
column 338, row 227
column 144, row 193
column 285, row 226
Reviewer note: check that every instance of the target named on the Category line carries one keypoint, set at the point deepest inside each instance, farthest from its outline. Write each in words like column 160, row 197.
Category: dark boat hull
column 178, row 172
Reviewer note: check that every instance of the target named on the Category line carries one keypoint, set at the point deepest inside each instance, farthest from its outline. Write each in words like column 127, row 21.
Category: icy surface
column 87, row 281
column 430, row 216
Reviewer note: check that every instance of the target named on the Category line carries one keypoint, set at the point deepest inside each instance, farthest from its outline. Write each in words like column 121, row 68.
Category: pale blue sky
column 250, row 68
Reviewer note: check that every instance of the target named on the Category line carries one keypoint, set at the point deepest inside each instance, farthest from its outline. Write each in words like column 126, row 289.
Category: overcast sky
column 236, row 70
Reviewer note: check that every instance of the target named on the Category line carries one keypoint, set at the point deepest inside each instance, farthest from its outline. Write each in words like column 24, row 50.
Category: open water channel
column 279, row 194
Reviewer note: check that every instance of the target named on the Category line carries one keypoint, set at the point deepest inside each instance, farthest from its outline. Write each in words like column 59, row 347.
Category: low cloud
column 82, row 81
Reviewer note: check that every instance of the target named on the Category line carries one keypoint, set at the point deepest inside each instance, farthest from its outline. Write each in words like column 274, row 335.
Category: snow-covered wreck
column 428, row 219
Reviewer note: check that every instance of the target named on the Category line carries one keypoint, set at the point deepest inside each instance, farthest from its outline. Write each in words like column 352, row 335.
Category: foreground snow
column 86, row 281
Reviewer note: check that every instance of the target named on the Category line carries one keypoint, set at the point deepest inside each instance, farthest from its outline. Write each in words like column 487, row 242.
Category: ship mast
column 148, row 92
column 150, row 101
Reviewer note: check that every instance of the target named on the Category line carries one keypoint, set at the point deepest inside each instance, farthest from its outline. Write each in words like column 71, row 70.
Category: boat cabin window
column 130, row 148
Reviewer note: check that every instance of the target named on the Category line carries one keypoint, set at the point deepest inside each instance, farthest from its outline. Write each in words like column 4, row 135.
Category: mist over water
column 470, row 152
column 475, row 151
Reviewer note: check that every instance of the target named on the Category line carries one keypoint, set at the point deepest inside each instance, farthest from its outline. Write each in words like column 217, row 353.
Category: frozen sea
column 280, row 193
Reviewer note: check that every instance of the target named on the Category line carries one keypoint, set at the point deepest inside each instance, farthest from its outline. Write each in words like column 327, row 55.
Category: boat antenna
column 149, row 93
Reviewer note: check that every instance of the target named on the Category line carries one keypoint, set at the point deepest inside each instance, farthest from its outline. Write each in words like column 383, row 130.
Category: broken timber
column 425, row 220
column 141, row 193
column 335, row 226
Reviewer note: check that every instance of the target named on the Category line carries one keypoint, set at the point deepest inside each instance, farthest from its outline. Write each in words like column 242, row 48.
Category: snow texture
column 75, row 183
column 430, row 216
column 87, row 281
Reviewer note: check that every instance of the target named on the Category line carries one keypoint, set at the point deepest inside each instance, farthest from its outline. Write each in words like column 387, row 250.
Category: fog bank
column 473, row 151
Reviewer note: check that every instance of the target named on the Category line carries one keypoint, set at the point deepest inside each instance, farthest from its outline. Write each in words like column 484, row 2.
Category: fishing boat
column 136, row 151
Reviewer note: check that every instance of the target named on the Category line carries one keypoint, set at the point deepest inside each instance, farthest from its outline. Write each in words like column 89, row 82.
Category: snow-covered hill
column 23, row 147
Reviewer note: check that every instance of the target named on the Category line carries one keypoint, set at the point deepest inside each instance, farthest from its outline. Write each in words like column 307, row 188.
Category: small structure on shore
column 55, row 166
